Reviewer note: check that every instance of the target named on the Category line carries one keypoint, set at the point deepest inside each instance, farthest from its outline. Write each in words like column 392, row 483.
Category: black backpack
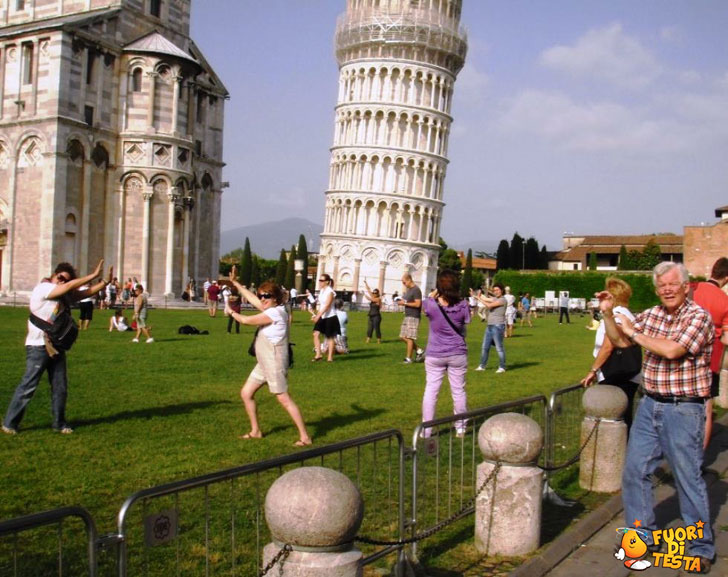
column 62, row 332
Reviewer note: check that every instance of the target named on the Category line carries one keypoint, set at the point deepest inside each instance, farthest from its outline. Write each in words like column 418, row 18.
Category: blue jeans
column 37, row 362
column 675, row 432
column 494, row 334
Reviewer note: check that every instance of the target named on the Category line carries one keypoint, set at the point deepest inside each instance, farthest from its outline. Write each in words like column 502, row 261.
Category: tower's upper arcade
column 415, row 30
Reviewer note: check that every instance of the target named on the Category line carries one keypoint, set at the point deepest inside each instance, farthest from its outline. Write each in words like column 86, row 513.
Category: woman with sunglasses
column 271, row 353
column 325, row 320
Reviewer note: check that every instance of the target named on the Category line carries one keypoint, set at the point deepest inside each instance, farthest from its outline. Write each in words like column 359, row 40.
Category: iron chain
column 575, row 458
column 281, row 556
column 441, row 525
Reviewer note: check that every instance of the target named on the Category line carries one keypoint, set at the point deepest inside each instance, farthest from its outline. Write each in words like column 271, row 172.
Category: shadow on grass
column 335, row 421
column 163, row 411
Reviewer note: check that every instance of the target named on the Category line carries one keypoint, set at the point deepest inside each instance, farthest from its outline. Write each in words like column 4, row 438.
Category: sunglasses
column 62, row 278
column 265, row 296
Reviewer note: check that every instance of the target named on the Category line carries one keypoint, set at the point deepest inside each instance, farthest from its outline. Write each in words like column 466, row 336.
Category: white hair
column 665, row 267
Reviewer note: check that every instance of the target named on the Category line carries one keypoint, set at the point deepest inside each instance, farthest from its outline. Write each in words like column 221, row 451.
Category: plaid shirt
column 691, row 327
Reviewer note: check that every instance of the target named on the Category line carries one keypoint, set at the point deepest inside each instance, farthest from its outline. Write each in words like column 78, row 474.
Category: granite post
column 508, row 510
column 602, row 459
column 317, row 511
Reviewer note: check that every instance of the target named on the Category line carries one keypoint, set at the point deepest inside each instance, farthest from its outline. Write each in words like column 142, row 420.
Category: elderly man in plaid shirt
column 676, row 337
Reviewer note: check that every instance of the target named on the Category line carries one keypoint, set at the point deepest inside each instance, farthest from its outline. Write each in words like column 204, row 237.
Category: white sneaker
column 480, row 368
column 135, row 340
column 9, row 431
column 407, row 361
column 150, row 340
column 500, row 370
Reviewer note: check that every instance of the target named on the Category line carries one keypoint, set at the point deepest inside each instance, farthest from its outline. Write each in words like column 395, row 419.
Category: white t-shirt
column 601, row 334
column 120, row 324
column 43, row 308
column 343, row 320
column 293, row 294
column 323, row 296
column 278, row 329
column 510, row 299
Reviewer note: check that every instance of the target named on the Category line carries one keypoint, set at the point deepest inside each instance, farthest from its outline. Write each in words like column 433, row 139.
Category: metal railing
column 444, row 468
column 204, row 528
column 14, row 527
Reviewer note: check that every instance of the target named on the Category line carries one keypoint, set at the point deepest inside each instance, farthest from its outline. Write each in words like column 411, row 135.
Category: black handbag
column 623, row 364
column 251, row 349
column 62, row 332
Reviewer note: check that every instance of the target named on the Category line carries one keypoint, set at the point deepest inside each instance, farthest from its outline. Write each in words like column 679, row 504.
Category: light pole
column 298, row 265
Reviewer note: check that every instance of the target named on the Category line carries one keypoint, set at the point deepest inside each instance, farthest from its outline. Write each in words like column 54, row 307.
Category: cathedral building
column 111, row 127
column 398, row 61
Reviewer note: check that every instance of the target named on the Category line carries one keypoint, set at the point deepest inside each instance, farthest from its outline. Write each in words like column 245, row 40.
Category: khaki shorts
column 409, row 328
column 272, row 365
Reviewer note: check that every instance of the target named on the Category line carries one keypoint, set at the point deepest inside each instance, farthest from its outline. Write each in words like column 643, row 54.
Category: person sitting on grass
column 271, row 354
column 118, row 322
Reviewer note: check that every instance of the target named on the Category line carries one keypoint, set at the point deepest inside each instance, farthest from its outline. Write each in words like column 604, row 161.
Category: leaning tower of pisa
column 398, row 60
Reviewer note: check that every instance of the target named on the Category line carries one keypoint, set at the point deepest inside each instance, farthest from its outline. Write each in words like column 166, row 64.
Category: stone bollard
column 722, row 399
column 318, row 512
column 508, row 510
column 602, row 459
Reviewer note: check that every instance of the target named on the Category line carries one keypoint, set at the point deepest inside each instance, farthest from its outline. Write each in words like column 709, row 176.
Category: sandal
column 248, row 436
column 316, row 359
column 302, row 443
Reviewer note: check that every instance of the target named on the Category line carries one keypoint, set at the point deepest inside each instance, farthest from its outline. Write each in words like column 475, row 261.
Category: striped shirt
column 692, row 328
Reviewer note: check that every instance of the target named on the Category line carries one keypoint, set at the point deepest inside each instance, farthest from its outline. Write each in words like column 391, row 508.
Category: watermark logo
column 637, row 555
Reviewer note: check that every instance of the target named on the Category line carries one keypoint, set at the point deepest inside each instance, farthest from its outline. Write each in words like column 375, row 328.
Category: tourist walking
column 86, row 307
column 271, row 354
column 676, row 337
column 50, row 302
column 412, row 303
column 374, row 316
column 621, row 293
column 526, row 307
column 325, row 320
column 713, row 299
column 233, row 303
column 447, row 351
column 141, row 307
column 495, row 329
column 564, row 307
column 510, row 311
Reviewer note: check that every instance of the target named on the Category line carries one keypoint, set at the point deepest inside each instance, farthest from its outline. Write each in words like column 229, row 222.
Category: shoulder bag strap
column 447, row 318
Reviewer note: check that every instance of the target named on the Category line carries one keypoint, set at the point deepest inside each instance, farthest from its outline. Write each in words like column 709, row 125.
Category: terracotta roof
column 635, row 240
column 581, row 252
column 155, row 43
column 478, row 263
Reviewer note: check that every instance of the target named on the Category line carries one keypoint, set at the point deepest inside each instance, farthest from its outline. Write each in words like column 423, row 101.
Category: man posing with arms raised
column 412, row 303
column 677, row 338
column 49, row 299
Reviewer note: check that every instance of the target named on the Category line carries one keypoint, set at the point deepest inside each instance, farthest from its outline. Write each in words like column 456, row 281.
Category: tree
column 302, row 253
column 281, row 268
column 478, row 279
column 623, row 258
column 532, row 255
column 291, row 269
column 254, row 271
column 592, row 261
column 516, row 252
column 449, row 259
column 651, row 255
column 503, row 256
column 467, row 282
column 544, row 259
column 246, row 264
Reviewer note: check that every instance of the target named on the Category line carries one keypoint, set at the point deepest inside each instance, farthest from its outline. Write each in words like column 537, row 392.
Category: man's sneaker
column 407, row 361
column 480, row 368
column 66, row 430
column 705, row 565
column 150, row 340
column 500, row 370
column 9, row 431
column 135, row 340
column 420, row 356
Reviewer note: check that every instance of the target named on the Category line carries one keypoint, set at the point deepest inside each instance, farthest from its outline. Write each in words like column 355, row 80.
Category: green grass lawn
column 147, row 414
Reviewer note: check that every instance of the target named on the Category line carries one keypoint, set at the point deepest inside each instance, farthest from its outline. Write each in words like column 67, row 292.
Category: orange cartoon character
column 633, row 548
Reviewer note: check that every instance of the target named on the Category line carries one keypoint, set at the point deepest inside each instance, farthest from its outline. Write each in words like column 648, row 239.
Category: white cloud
column 591, row 127
column 607, row 54
column 471, row 85
column 671, row 34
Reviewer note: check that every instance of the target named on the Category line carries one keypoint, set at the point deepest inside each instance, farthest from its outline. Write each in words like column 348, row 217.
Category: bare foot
column 303, row 442
column 251, row 435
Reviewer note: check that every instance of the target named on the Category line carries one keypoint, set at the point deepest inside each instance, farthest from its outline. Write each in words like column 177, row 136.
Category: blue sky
column 592, row 117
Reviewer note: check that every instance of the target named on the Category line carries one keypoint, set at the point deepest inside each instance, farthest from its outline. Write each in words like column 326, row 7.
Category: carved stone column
column 172, row 197
column 147, row 195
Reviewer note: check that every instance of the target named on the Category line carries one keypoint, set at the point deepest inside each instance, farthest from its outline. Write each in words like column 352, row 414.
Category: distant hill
column 268, row 238
column 489, row 246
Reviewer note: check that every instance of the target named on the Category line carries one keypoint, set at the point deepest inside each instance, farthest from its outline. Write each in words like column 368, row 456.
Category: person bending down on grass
column 271, row 354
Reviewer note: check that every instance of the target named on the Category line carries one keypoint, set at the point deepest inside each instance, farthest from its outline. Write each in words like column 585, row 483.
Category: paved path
column 588, row 549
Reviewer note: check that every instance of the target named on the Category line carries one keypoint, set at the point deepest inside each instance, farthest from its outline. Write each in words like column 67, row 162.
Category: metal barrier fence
column 28, row 523
column 445, row 465
column 215, row 523
column 195, row 526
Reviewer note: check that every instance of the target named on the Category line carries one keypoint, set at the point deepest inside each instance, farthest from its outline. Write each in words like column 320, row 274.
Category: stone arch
column 70, row 236
column 75, row 151
column 100, row 156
